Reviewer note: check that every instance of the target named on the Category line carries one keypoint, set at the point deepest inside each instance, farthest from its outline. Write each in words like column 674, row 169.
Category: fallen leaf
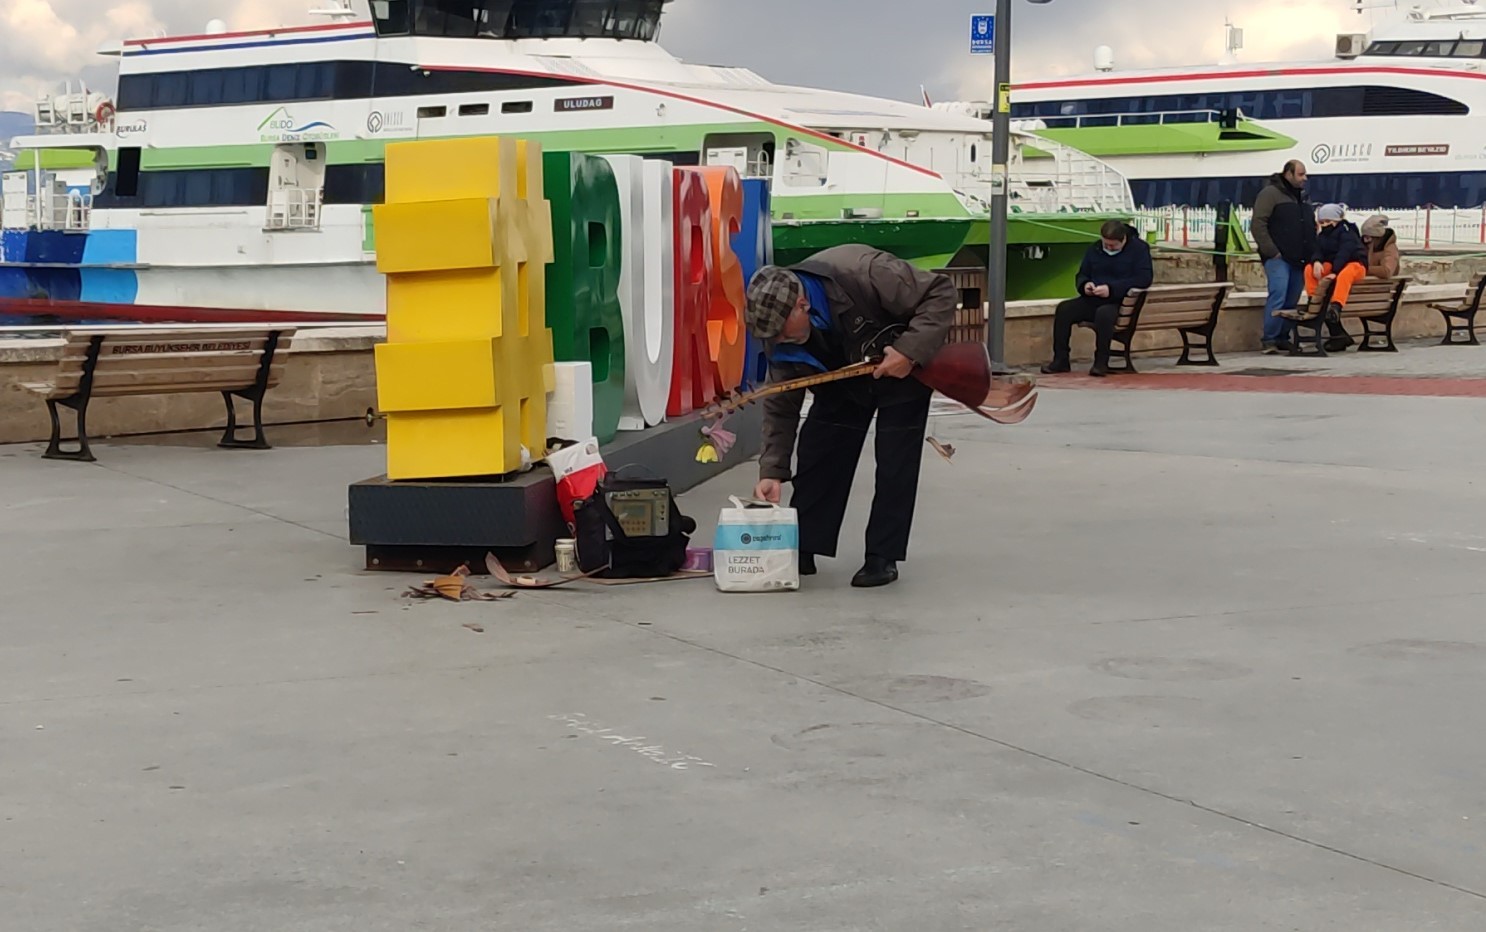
column 476, row 628
column 946, row 450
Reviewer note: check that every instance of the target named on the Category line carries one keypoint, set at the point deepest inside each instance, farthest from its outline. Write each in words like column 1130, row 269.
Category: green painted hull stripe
column 1169, row 139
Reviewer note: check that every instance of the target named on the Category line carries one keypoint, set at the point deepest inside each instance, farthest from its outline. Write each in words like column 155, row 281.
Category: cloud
column 880, row 47
column 46, row 42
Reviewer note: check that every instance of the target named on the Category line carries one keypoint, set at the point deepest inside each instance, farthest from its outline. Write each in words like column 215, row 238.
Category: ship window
column 1469, row 48
column 126, row 179
column 282, row 82
column 391, row 17
column 1382, row 48
column 455, row 18
column 1384, row 190
column 474, row 109
column 1256, row 105
column 520, row 19
column 1403, row 101
column 516, row 106
column 356, row 184
column 1438, row 49
column 432, row 113
column 210, row 187
column 325, row 80
column 1409, row 48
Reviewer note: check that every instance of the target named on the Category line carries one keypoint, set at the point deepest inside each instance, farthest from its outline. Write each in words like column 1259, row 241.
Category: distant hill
column 12, row 124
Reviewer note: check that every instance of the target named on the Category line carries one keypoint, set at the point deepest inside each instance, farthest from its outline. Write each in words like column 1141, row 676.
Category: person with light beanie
column 1340, row 256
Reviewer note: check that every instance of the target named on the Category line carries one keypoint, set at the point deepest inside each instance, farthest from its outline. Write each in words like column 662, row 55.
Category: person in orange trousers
column 1340, row 257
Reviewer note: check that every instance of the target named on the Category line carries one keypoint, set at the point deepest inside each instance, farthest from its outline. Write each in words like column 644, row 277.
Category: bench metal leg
column 1384, row 332
column 1317, row 324
column 54, row 451
column 1127, row 364
column 1206, row 346
column 1452, row 328
column 230, row 440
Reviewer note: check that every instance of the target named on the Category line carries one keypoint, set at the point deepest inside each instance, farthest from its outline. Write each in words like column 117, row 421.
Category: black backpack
column 632, row 527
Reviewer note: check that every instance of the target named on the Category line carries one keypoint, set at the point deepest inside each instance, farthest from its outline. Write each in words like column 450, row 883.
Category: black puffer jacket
column 1127, row 269
column 1284, row 224
column 1340, row 244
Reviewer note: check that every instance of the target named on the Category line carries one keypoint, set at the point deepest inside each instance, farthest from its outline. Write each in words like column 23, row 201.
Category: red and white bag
column 578, row 469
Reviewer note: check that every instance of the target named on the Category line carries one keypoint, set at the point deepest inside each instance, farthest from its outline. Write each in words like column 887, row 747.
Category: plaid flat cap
column 772, row 296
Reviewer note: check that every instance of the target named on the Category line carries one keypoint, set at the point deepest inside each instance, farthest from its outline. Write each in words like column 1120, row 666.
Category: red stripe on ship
column 280, row 31
column 160, row 313
column 1250, row 73
column 674, row 95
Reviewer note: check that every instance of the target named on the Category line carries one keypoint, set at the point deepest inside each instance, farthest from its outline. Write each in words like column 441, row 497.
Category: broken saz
column 586, row 726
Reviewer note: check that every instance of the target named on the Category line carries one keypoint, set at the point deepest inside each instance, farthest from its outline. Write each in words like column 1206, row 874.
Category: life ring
column 104, row 113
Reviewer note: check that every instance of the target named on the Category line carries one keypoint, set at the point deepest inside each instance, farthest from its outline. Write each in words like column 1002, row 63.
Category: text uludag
column 572, row 104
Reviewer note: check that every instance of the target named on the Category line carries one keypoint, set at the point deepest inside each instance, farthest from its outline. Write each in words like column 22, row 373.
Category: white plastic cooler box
column 757, row 548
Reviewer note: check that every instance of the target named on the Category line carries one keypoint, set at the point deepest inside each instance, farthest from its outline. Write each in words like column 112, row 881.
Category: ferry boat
column 235, row 171
column 1393, row 121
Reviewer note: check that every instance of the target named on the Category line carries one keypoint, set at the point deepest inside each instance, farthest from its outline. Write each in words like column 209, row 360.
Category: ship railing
column 294, row 209
column 70, row 214
column 1442, row 228
column 1077, row 180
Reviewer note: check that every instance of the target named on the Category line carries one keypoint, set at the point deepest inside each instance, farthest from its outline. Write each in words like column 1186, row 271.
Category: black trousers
column 830, row 445
column 1084, row 309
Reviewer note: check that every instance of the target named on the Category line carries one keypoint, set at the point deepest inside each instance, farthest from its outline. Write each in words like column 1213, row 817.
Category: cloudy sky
column 870, row 46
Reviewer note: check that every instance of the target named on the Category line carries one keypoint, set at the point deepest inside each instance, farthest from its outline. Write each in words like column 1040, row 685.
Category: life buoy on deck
column 104, row 113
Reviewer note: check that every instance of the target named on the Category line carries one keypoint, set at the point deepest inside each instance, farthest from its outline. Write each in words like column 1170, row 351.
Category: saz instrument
column 960, row 371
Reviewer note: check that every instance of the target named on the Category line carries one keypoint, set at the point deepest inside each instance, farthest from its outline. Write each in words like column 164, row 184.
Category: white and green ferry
column 234, row 172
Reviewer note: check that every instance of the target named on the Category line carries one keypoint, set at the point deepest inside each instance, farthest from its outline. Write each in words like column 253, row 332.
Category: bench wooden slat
column 168, row 347
column 1164, row 320
column 117, row 382
column 1204, row 304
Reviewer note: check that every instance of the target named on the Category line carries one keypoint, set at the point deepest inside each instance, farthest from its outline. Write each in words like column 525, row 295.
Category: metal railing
column 70, row 214
column 294, row 209
column 1416, row 228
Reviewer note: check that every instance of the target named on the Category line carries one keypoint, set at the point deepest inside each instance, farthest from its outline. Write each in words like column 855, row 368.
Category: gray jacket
column 877, row 300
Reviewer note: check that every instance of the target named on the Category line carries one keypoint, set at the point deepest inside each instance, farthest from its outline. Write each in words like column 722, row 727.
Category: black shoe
column 1284, row 346
column 1056, row 366
column 807, row 564
column 1339, row 343
column 1099, row 371
column 875, row 572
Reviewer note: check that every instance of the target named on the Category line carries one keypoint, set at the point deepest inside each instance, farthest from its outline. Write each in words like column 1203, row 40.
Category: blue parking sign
column 982, row 35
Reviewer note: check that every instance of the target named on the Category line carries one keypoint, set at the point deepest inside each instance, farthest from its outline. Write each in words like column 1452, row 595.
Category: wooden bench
column 1191, row 310
column 1374, row 301
column 1469, row 306
column 243, row 363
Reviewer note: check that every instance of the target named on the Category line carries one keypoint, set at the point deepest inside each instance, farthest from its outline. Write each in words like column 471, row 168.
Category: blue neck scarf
column 820, row 319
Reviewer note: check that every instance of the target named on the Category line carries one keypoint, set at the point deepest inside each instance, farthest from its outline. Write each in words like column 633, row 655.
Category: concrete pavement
column 1162, row 660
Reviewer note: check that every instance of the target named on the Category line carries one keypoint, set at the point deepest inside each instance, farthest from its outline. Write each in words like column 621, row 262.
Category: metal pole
column 1000, row 155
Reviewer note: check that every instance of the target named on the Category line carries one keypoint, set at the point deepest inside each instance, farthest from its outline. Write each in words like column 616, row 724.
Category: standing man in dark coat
column 1284, row 228
column 1118, row 263
column 842, row 306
